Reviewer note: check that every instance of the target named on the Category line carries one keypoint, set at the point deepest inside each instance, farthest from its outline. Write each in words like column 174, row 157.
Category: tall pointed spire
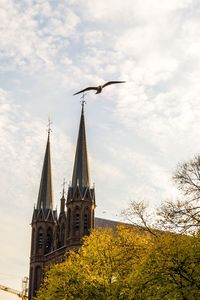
column 45, row 196
column 80, row 197
column 81, row 169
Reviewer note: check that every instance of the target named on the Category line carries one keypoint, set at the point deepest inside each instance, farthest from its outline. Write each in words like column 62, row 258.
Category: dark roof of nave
column 105, row 223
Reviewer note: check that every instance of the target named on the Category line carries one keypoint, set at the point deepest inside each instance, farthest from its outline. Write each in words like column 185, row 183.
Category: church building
column 54, row 235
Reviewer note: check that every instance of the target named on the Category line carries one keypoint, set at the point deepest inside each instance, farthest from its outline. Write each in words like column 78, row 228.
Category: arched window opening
column 31, row 282
column 68, row 222
column 38, row 278
column 48, row 240
column 77, row 219
column 40, row 238
column 86, row 220
column 33, row 241
column 58, row 244
column 62, row 235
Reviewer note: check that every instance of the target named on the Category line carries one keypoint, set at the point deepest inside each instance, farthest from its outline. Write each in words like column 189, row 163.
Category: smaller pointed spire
column 62, row 200
column 63, row 186
column 62, row 204
column 45, row 196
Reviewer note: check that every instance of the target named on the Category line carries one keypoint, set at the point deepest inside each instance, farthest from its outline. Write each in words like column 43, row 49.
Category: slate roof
column 105, row 223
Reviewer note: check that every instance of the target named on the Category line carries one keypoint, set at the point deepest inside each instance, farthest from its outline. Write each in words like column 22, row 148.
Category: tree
column 171, row 270
column 143, row 261
column 137, row 214
column 187, row 178
column 181, row 216
column 127, row 265
column 100, row 269
column 184, row 215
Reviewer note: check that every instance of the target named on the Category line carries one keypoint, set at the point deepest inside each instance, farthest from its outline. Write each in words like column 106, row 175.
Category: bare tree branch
column 137, row 215
column 187, row 178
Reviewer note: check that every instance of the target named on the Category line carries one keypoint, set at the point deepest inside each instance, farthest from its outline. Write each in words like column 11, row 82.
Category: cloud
column 139, row 130
column 121, row 13
column 32, row 35
column 154, row 46
column 22, row 150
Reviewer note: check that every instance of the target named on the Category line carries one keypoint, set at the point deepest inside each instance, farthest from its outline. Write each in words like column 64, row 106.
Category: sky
column 137, row 132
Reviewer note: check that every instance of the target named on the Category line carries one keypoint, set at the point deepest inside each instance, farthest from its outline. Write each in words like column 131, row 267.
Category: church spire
column 45, row 196
column 81, row 169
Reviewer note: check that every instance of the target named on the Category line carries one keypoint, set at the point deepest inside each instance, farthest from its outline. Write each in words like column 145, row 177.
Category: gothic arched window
column 31, row 281
column 62, row 234
column 33, row 241
column 76, row 219
column 58, row 244
column 86, row 220
column 40, row 238
column 48, row 240
column 68, row 222
column 38, row 278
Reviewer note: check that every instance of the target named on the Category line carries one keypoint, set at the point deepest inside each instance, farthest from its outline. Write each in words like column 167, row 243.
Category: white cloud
column 119, row 12
column 144, row 127
column 32, row 35
column 22, row 150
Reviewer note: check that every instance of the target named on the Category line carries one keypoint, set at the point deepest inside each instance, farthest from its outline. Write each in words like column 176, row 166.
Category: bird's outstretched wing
column 87, row 89
column 112, row 82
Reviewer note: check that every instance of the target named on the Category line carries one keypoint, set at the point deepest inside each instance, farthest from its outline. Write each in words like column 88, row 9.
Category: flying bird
column 99, row 88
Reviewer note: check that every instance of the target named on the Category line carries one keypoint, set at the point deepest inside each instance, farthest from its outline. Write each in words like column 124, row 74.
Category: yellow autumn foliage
column 127, row 264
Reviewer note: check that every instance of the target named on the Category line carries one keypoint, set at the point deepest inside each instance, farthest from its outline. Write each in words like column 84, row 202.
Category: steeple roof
column 45, row 196
column 81, row 169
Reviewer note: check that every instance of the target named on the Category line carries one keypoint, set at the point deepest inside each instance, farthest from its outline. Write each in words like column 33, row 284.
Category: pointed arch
column 62, row 234
column 76, row 219
column 69, row 220
column 38, row 278
column 31, row 283
column 49, row 239
column 86, row 220
column 33, row 241
column 40, row 239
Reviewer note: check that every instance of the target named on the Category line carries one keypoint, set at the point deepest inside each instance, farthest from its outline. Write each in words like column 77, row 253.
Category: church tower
column 43, row 225
column 52, row 236
column 81, row 197
column 60, row 238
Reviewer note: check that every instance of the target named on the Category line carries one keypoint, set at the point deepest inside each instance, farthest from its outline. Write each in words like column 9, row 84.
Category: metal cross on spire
column 83, row 102
column 49, row 125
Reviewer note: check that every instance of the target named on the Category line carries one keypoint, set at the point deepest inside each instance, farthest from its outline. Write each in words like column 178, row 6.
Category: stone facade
column 53, row 236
